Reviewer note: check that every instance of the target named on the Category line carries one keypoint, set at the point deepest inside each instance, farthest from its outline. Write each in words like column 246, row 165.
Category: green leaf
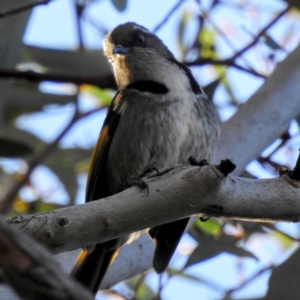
column 11, row 148
column 104, row 96
column 207, row 40
column 21, row 207
column 211, row 226
column 144, row 292
column 119, row 4
column 286, row 241
column 44, row 206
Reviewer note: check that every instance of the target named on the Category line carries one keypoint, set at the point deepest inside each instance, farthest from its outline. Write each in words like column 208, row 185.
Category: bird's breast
column 157, row 131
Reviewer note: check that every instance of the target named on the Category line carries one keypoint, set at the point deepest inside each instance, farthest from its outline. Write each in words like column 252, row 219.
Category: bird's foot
column 138, row 182
column 194, row 162
column 148, row 172
column 203, row 162
column 204, row 218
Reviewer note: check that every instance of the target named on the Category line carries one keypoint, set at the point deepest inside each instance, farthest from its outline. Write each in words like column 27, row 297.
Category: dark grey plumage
column 172, row 125
column 158, row 119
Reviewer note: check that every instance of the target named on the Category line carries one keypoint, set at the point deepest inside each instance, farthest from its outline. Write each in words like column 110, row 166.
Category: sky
column 52, row 26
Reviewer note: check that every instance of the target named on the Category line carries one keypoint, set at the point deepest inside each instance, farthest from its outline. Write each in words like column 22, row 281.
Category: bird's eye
column 141, row 39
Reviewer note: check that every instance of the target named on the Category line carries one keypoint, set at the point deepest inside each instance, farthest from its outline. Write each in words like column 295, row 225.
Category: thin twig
column 285, row 137
column 257, row 37
column 95, row 23
column 249, row 280
column 221, row 33
column 223, row 62
column 205, row 15
column 167, row 17
column 271, row 165
column 160, row 287
column 18, row 9
column 79, row 11
column 231, row 61
column 37, row 159
column 102, row 82
column 250, row 71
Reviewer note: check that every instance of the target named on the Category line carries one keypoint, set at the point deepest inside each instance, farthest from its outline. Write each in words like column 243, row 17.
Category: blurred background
column 50, row 123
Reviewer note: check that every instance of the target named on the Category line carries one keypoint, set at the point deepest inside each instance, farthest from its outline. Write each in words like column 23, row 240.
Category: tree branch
column 79, row 7
column 102, row 82
column 261, row 33
column 167, row 17
column 223, row 62
column 231, row 62
column 31, row 271
column 9, row 192
column 182, row 192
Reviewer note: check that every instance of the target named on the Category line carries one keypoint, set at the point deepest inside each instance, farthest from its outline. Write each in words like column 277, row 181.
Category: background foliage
column 53, row 103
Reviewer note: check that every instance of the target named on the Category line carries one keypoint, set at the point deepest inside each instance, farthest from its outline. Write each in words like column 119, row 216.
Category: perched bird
column 158, row 119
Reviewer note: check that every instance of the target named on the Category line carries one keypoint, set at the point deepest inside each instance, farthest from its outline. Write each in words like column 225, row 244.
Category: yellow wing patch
column 79, row 261
column 100, row 146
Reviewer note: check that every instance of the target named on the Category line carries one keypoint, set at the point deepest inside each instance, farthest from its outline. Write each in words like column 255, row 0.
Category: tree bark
column 180, row 193
column 31, row 270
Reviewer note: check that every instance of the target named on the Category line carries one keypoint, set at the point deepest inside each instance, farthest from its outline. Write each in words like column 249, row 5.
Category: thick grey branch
column 183, row 192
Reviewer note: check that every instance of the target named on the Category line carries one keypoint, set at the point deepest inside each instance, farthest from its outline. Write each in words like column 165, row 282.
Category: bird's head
column 136, row 53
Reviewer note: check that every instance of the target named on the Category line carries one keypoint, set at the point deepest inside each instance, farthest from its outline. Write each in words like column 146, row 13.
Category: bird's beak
column 119, row 49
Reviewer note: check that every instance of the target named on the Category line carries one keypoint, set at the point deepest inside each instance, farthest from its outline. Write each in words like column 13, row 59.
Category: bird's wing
column 90, row 268
column 97, row 186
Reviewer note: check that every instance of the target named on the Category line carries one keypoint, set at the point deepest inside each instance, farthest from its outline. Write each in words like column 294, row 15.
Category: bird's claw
column 138, row 182
column 149, row 170
column 194, row 162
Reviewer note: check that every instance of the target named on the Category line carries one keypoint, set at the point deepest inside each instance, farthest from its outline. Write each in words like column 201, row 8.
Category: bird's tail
column 90, row 268
column 167, row 237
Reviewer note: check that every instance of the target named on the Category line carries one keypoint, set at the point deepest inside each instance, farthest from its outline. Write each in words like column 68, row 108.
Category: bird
column 159, row 117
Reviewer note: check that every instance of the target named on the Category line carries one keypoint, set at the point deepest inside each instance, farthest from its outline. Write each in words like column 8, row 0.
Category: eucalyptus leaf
column 210, row 246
